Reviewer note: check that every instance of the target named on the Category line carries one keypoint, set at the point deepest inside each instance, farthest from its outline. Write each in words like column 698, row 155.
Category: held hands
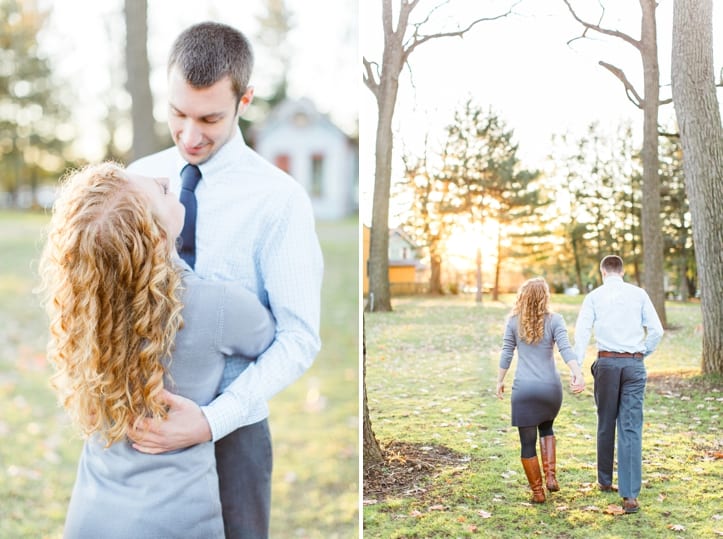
column 186, row 426
column 577, row 382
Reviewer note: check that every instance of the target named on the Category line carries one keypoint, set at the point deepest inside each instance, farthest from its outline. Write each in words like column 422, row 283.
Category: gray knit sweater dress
column 536, row 389
column 120, row 493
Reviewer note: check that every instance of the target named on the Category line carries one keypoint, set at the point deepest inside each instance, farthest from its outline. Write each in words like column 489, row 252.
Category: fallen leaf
column 437, row 508
column 676, row 527
column 613, row 509
column 472, row 529
column 591, row 508
column 661, row 497
column 370, row 502
column 562, row 508
column 717, row 517
column 484, row 514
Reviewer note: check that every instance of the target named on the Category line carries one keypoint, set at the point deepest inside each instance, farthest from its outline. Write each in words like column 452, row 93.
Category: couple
column 627, row 329
column 167, row 363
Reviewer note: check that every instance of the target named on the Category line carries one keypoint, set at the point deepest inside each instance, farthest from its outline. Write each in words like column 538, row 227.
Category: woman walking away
column 536, row 390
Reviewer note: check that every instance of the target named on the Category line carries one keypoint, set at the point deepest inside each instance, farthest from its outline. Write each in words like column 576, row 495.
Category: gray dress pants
column 619, row 394
column 244, row 461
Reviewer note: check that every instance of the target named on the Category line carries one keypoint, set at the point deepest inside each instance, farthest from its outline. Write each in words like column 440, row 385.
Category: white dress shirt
column 623, row 316
column 254, row 225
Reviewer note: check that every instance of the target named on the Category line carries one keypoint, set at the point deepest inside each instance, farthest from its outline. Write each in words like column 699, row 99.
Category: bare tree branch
column 633, row 96
column 411, row 76
column 371, row 82
column 387, row 17
column 418, row 39
column 606, row 31
column 669, row 135
column 667, row 101
column 431, row 12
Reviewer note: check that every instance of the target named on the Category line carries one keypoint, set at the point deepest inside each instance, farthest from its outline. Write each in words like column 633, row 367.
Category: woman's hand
column 500, row 389
column 577, row 383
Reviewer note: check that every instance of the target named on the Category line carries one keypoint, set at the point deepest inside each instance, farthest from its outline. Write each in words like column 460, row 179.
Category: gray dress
column 120, row 493
column 536, row 389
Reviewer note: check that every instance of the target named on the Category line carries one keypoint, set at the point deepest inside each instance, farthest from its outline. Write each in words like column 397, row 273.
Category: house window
column 317, row 175
column 283, row 161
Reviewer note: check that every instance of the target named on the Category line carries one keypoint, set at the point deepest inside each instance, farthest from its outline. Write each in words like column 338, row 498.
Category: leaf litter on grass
column 408, row 468
column 681, row 431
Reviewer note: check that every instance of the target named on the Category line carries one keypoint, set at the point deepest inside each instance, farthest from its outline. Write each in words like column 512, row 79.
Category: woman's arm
column 509, row 343
column 245, row 326
column 577, row 382
column 501, row 382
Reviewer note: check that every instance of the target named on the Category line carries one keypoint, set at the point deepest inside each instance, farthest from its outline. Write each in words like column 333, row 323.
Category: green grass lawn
column 430, row 375
column 313, row 422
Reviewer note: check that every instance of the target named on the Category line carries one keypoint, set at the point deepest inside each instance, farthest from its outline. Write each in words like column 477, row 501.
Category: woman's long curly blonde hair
column 112, row 293
column 531, row 305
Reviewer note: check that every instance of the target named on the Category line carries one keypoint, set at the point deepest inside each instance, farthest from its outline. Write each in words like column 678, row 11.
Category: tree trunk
column 435, row 278
column 578, row 268
column 498, row 265
column 478, row 268
column 386, row 95
column 652, row 229
column 372, row 452
column 701, row 136
column 138, row 79
column 379, row 233
column 683, row 277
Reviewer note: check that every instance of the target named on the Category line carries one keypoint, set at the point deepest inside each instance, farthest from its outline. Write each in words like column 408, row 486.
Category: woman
column 536, row 391
column 128, row 318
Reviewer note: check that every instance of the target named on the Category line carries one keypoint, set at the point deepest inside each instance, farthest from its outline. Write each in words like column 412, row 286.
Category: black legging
column 528, row 438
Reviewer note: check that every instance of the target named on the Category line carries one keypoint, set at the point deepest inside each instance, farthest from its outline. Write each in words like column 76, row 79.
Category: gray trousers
column 619, row 394
column 244, row 461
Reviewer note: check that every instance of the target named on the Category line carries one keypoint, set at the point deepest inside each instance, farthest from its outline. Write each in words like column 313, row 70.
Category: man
column 627, row 329
column 254, row 225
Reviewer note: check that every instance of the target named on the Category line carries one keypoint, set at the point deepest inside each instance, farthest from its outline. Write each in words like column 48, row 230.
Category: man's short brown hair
column 207, row 52
column 612, row 264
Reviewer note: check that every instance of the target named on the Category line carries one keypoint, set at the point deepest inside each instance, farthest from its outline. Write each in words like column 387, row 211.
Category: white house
column 300, row 140
column 401, row 247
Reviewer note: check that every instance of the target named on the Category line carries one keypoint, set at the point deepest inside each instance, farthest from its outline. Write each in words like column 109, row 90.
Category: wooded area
column 657, row 205
column 612, row 196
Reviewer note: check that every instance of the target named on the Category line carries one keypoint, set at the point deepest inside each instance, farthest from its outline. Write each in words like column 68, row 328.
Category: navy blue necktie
column 190, row 176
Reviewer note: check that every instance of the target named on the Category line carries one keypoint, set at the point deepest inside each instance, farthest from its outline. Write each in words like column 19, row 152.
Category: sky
column 84, row 42
column 522, row 67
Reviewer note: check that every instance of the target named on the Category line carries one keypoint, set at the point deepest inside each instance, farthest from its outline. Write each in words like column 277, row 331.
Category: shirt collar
column 613, row 279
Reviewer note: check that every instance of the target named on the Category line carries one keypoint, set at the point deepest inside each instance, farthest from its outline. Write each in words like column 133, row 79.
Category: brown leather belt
column 636, row 355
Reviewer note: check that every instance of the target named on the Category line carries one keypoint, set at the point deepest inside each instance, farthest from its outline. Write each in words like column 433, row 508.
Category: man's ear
column 245, row 100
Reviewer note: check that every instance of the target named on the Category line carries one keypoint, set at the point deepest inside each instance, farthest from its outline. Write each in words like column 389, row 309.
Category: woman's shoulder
column 556, row 319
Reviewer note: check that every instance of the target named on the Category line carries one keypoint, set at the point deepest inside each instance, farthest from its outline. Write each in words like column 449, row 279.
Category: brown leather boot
column 547, row 452
column 534, row 478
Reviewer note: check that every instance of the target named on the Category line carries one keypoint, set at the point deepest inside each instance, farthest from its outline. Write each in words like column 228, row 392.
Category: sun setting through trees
column 463, row 194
